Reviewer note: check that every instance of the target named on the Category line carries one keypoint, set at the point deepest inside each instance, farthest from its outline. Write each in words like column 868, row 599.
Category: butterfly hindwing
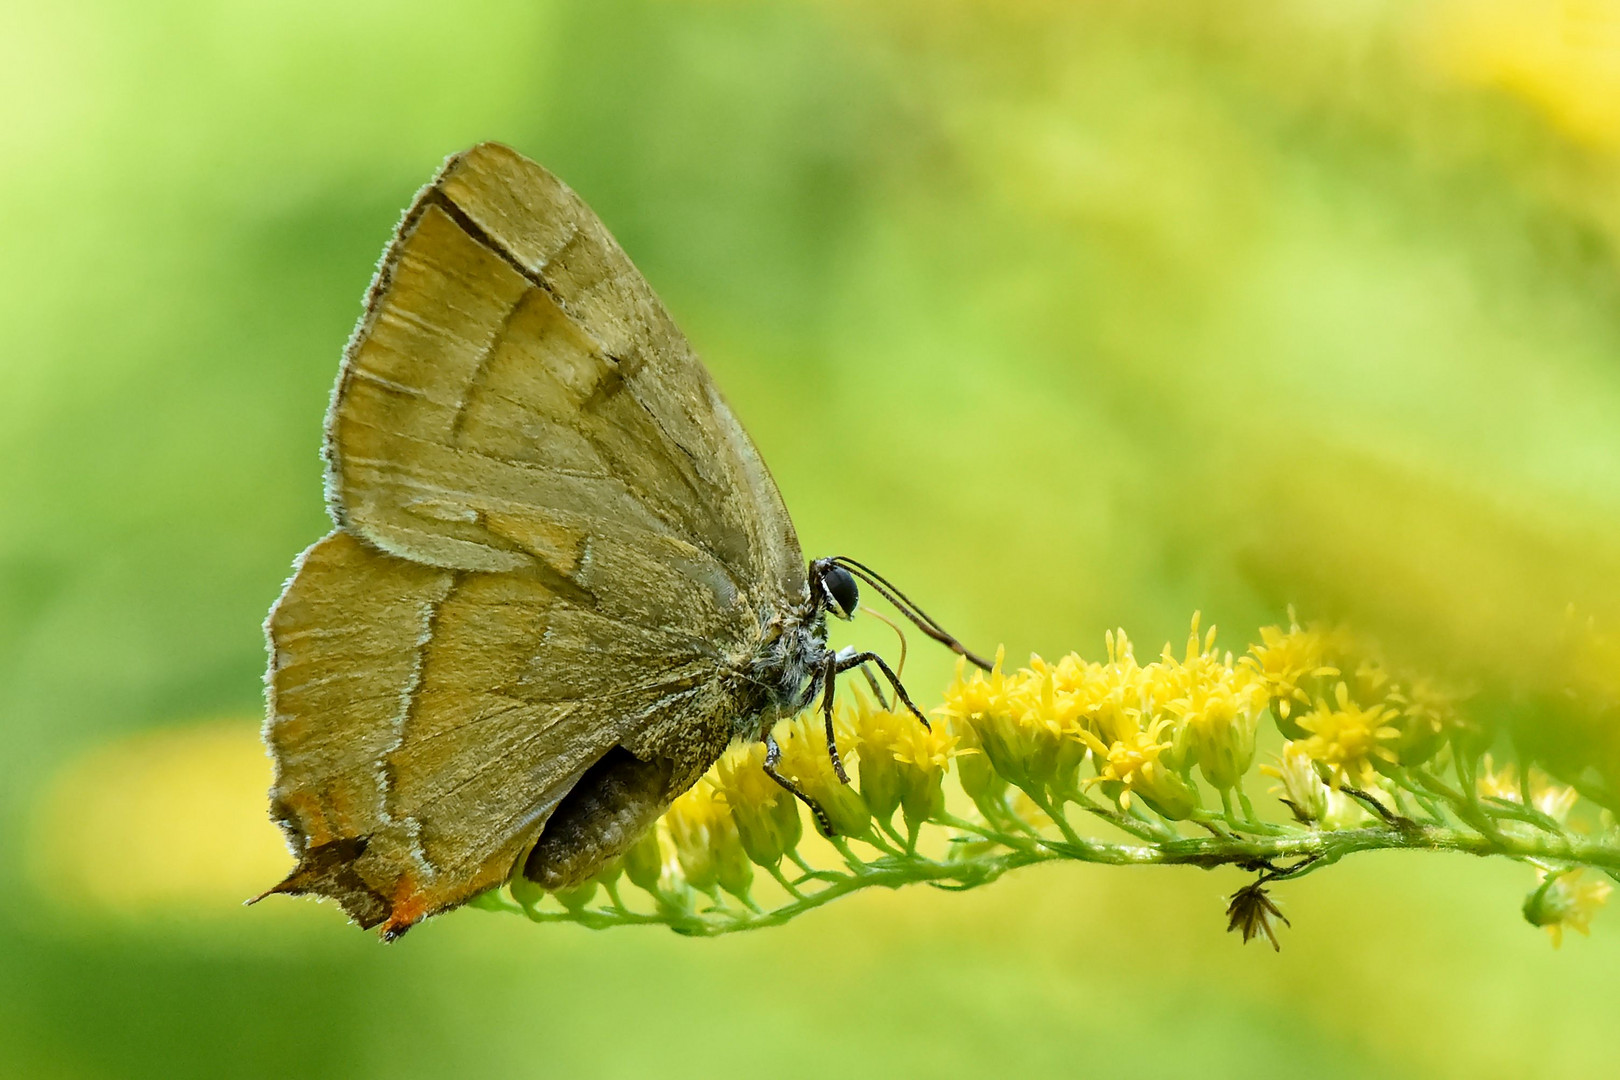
column 423, row 739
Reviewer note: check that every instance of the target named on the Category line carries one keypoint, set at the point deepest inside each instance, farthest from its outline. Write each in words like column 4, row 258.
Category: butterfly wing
column 516, row 392
column 554, row 540
column 425, row 722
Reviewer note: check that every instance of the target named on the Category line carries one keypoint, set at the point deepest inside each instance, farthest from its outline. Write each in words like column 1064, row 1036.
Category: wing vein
column 479, row 372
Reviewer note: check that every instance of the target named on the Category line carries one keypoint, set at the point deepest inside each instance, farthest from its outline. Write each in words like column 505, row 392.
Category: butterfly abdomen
column 614, row 803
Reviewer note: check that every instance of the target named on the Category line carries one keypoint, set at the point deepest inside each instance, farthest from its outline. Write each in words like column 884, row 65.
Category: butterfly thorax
column 785, row 668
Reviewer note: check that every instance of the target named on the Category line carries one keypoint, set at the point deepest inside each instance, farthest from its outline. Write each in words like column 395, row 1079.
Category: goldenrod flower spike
column 1132, row 763
column 1013, row 726
column 1551, row 801
column 1495, row 783
column 902, row 764
column 806, row 762
column 1291, row 665
column 1109, row 761
column 877, row 732
column 1217, row 706
column 644, row 862
column 1348, row 738
column 974, row 774
column 707, row 844
column 1301, row 790
column 765, row 813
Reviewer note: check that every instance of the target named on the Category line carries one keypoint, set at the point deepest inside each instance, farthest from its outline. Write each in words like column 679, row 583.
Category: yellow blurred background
column 1065, row 315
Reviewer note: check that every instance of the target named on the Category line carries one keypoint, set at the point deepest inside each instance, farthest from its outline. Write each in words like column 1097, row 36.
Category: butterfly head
column 836, row 589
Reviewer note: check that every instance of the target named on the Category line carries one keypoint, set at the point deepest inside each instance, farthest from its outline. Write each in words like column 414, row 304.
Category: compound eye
column 842, row 596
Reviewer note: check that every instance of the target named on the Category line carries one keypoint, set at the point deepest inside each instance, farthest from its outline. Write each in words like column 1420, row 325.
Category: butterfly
column 561, row 580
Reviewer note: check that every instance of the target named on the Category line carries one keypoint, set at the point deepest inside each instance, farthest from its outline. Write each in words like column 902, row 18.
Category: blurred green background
column 1065, row 315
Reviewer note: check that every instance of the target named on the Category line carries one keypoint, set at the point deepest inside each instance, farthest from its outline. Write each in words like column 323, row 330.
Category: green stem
column 1246, row 824
column 1464, row 803
column 1142, row 830
column 1530, row 815
column 1061, row 820
column 775, row 870
column 1294, row 854
column 1332, row 846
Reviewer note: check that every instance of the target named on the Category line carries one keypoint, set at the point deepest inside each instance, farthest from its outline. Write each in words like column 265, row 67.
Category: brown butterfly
column 561, row 581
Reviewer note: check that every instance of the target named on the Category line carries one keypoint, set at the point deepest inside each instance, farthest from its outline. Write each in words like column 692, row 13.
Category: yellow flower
column 1217, row 707
column 1301, row 788
column 1424, row 710
column 706, row 841
column 576, row 898
column 903, row 763
column 1349, row 739
column 1014, row 722
column 1554, row 800
column 1133, row 764
column 644, row 862
column 806, row 762
column 1289, row 664
column 925, row 747
column 876, row 733
column 1494, row 783
column 979, row 695
column 1343, row 812
column 1051, row 708
column 1113, row 698
column 979, row 781
column 1564, row 900
column 766, row 813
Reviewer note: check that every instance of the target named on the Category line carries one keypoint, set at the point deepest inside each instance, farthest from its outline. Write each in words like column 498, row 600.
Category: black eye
column 842, row 595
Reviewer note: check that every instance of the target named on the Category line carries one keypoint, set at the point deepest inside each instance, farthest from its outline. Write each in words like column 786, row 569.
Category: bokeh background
column 1066, row 315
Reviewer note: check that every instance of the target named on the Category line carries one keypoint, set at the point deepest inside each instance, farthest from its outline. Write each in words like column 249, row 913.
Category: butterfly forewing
column 554, row 540
column 516, row 385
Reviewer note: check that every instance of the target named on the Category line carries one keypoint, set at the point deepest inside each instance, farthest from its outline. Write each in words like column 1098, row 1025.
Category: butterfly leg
column 845, row 663
column 871, row 680
column 829, row 677
column 773, row 757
